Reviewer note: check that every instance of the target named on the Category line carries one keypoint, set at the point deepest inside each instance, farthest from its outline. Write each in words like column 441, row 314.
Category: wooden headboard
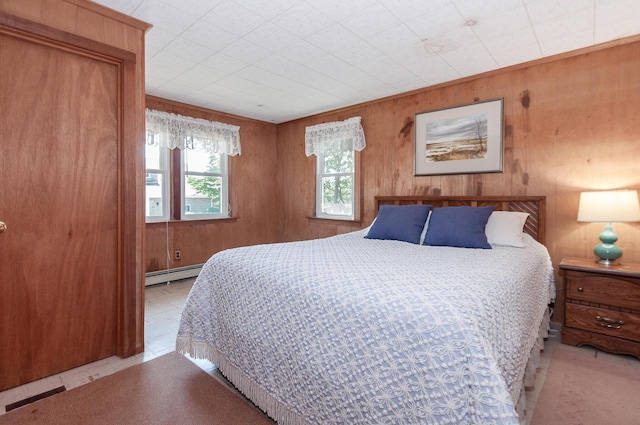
column 533, row 205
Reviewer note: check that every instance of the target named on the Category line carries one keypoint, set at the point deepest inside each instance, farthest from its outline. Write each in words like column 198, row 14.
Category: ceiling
column 279, row 60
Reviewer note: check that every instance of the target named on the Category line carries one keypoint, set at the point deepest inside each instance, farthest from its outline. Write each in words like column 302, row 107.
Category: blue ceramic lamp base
column 608, row 251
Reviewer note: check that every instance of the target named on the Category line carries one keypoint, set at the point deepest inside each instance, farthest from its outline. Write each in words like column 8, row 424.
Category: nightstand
column 602, row 305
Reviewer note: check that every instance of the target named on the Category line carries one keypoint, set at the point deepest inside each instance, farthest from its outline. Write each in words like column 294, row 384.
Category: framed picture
column 460, row 140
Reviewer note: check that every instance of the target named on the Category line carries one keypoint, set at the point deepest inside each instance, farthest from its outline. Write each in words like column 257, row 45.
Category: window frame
column 182, row 132
column 165, row 172
column 355, row 190
column 224, row 192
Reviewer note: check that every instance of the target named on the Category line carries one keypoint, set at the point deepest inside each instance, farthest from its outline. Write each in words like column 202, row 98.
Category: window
column 204, row 182
column 334, row 145
column 335, row 182
column 203, row 185
column 157, row 179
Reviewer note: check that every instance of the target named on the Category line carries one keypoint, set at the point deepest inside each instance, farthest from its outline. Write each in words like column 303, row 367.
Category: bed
column 359, row 329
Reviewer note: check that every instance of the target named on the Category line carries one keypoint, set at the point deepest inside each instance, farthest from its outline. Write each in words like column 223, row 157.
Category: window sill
column 204, row 220
column 354, row 223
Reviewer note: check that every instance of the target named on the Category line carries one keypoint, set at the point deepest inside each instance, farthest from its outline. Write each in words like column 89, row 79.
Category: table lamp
column 619, row 206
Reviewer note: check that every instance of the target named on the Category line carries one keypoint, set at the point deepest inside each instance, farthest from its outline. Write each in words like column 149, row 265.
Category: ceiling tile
column 246, row 51
column 441, row 20
column 271, row 37
column 565, row 33
column 474, row 9
column 616, row 19
column 287, row 69
column 243, row 85
column 285, row 59
column 158, row 38
column 223, row 62
column 196, row 8
column 507, row 56
column 502, row 24
column 206, row 33
column 333, row 38
column 387, row 70
column 473, row 58
column 430, row 67
column 520, row 46
column 458, row 38
column 165, row 60
column 187, row 49
column 340, row 9
column 302, row 20
column 552, row 10
column 199, row 76
column 347, row 73
column 394, row 38
column 234, row 18
column 370, row 21
column 311, row 56
column 357, row 52
column 267, row 9
column 408, row 10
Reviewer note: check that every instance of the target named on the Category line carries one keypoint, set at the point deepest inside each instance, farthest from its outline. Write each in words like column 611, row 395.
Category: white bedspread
column 347, row 330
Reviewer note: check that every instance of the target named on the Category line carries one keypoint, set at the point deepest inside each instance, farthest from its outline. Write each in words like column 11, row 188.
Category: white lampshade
column 615, row 206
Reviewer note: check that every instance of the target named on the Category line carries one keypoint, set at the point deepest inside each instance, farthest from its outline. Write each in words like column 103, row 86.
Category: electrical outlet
column 177, row 254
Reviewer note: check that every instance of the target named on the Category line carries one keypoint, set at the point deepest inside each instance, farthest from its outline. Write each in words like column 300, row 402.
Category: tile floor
column 163, row 305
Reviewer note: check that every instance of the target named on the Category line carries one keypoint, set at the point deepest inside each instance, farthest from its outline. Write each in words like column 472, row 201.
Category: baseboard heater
column 171, row 275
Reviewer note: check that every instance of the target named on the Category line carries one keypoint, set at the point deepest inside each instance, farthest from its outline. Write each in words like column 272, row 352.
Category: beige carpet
column 579, row 388
column 587, row 387
column 167, row 390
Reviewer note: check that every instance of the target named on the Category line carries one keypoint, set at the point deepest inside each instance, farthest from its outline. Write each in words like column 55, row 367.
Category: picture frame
column 460, row 140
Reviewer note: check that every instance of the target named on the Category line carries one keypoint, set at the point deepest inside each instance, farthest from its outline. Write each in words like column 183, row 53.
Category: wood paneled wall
column 572, row 123
column 252, row 198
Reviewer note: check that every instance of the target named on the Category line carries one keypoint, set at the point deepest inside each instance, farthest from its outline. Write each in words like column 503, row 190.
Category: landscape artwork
column 460, row 140
column 456, row 139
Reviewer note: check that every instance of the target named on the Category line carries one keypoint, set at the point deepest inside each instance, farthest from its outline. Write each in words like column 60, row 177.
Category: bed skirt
column 532, row 366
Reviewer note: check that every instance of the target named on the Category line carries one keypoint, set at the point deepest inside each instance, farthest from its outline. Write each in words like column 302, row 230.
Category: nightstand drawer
column 602, row 289
column 603, row 321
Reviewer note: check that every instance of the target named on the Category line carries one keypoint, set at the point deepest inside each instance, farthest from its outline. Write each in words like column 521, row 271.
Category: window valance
column 178, row 131
column 348, row 132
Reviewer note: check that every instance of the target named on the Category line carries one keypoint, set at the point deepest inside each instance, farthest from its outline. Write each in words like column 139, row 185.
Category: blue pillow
column 461, row 227
column 399, row 222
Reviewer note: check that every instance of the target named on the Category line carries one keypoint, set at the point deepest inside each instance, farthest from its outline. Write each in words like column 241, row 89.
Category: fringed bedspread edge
column 275, row 409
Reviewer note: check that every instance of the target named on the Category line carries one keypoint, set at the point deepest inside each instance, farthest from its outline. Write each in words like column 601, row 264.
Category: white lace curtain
column 178, row 131
column 348, row 132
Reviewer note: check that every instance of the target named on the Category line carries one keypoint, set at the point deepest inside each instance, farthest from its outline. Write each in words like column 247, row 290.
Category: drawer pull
column 580, row 289
column 610, row 323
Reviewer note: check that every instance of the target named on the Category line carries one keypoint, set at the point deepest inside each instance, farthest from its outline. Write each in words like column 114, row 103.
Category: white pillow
column 504, row 228
column 424, row 229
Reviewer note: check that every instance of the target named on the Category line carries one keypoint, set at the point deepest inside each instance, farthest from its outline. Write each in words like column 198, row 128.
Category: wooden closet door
column 59, row 190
